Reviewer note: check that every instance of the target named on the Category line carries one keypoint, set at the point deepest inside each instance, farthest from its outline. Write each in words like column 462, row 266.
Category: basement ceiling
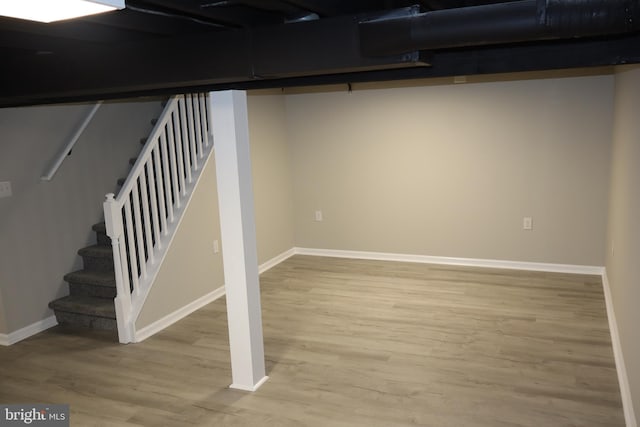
column 166, row 46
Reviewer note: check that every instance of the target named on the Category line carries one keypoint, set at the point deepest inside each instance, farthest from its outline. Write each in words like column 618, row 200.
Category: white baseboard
column 168, row 320
column 467, row 262
column 623, row 379
column 27, row 331
column 276, row 260
column 249, row 388
column 621, row 370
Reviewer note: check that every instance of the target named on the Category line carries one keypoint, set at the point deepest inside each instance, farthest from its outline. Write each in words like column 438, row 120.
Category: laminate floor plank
column 351, row 343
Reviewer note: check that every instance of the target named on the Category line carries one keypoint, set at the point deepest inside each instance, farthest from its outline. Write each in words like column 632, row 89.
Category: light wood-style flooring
column 351, row 343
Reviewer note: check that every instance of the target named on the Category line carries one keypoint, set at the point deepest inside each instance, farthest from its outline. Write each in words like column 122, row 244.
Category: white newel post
column 230, row 126
column 114, row 227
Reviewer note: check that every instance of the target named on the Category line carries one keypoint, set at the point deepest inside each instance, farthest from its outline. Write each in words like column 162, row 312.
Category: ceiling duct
column 498, row 23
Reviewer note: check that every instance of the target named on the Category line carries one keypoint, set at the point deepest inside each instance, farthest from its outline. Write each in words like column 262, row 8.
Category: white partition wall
column 237, row 224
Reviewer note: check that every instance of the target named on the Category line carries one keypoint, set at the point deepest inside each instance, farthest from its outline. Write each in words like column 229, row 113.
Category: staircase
column 119, row 270
column 92, row 289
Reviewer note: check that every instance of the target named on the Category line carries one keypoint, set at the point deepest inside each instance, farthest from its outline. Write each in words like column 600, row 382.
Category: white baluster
column 153, row 201
column 166, row 175
column 185, row 138
column 131, row 249
column 173, row 166
column 180, row 152
column 138, row 242
column 146, row 215
column 197, row 124
column 204, row 118
column 192, row 135
column 157, row 166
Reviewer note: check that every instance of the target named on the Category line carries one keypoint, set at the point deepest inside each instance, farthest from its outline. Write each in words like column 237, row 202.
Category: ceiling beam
column 218, row 12
column 325, row 46
column 73, row 31
column 151, row 23
column 550, row 55
column 456, row 62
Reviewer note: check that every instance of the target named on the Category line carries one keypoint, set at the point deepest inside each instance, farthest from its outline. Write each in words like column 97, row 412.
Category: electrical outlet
column 527, row 223
column 216, row 247
column 5, row 189
column 318, row 216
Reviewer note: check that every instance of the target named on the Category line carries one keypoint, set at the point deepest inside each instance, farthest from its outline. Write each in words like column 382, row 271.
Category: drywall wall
column 3, row 323
column 190, row 269
column 451, row 170
column 270, row 163
column 623, row 249
column 44, row 223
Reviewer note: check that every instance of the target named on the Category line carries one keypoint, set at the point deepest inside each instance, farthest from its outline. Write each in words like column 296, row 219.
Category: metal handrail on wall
column 66, row 150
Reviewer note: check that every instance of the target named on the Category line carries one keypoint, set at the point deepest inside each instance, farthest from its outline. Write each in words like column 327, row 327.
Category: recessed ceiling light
column 56, row 10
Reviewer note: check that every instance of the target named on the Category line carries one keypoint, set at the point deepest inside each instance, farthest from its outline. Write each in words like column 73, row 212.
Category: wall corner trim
column 171, row 318
column 27, row 331
column 621, row 369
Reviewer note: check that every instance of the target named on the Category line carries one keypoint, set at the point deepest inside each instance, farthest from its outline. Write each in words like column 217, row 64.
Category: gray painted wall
column 271, row 167
column 190, row 269
column 451, row 170
column 623, row 251
column 3, row 323
column 45, row 223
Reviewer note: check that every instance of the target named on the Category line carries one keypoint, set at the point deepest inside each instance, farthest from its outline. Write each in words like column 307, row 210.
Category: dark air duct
column 498, row 23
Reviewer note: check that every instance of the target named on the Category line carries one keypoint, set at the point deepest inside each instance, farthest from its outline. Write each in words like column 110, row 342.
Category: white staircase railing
column 142, row 219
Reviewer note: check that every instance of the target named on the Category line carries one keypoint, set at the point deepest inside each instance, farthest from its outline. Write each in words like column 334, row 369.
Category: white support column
column 230, row 128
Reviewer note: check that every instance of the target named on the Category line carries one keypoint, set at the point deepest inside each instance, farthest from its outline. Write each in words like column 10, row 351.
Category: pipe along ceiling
column 498, row 23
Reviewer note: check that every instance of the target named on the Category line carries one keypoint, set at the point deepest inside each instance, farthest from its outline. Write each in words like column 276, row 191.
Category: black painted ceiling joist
column 311, row 48
column 170, row 46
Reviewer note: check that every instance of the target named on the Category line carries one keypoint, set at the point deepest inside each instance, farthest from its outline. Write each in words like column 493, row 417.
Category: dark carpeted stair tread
column 101, row 234
column 96, row 251
column 88, row 306
column 99, row 227
column 90, row 277
column 98, row 257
